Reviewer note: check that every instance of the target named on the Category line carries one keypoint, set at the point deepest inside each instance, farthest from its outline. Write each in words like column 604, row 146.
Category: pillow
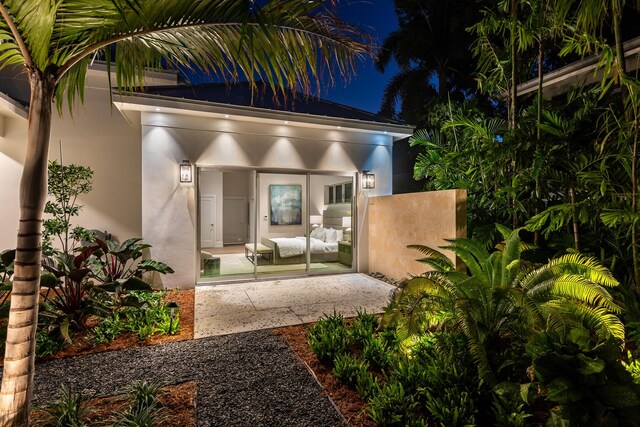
column 340, row 235
column 318, row 233
column 331, row 236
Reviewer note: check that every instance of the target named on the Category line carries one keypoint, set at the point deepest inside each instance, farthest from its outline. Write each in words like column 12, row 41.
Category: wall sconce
column 186, row 172
column 368, row 180
column 315, row 220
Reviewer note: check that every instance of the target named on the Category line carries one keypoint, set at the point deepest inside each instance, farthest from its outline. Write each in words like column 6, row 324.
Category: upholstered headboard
column 332, row 216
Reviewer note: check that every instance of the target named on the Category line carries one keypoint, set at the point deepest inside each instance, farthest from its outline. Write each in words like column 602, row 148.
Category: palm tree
column 285, row 42
column 501, row 297
column 430, row 46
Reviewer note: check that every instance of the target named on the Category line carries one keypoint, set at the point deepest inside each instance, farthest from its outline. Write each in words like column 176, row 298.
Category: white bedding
column 295, row 246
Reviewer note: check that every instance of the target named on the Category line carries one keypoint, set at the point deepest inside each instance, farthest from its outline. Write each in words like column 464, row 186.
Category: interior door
column 208, row 221
column 234, row 217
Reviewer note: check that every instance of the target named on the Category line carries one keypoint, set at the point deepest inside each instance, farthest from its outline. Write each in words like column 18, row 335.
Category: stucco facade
column 134, row 146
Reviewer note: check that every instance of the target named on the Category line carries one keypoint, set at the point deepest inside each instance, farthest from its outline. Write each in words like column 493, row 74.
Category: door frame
column 354, row 175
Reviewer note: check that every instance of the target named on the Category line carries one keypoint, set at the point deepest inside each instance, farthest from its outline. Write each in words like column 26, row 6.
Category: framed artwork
column 285, row 204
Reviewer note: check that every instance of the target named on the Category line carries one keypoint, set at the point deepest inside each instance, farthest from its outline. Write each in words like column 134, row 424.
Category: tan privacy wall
column 417, row 218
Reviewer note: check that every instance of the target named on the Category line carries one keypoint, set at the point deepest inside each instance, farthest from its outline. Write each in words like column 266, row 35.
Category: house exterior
column 242, row 148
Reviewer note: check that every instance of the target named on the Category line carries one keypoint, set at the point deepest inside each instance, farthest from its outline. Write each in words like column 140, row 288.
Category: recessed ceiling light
column 339, row 127
column 385, row 132
column 226, row 116
column 286, row 122
column 157, row 109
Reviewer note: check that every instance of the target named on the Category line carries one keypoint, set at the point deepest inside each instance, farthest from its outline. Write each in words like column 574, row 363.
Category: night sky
column 365, row 90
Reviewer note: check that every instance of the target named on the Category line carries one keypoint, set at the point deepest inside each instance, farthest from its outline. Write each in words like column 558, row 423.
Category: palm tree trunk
column 536, row 235
column 17, row 378
column 514, row 66
column 574, row 219
column 443, row 86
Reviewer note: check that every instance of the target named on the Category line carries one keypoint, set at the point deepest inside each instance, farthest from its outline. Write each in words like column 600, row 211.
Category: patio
column 240, row 307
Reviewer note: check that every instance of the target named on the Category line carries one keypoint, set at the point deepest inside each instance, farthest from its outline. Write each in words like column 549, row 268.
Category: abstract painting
column 285, row 204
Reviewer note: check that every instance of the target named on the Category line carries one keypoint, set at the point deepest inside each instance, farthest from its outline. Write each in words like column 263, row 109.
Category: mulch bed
column 83, row 345
column 348, row 401
column 178, row 401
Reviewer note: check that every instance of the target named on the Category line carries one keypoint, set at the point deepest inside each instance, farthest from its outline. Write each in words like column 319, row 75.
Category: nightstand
column 345, row 253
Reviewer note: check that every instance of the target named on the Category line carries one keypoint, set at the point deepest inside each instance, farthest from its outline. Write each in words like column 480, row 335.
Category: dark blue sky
column 365, row 90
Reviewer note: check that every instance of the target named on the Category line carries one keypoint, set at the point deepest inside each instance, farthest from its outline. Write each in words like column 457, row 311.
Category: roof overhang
column 581, row 72
column 9, row 107
column 170, row 105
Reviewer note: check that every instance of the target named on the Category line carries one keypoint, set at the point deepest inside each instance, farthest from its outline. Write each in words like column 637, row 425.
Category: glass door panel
column 331, row 197
column 281, row 242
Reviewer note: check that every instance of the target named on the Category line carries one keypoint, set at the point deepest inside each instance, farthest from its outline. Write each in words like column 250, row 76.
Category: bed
column 292, row 250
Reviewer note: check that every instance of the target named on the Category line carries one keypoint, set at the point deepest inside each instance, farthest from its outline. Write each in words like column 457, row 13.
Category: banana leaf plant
column 69, row 301
column 117, row 269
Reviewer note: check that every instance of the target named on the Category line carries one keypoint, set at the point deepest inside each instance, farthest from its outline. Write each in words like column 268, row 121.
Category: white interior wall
column 265, row 229
column 168, row 215
column 236, row 184
column 211, row 184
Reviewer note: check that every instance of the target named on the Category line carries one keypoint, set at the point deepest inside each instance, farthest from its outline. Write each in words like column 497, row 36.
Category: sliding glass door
column 268, row 224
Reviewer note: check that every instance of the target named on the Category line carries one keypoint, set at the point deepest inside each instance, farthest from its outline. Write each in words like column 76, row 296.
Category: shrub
column 366, row 384
column 632, row 365
column 47, row 344
column 363, row 327
column 68, row 411
column 391, row 406
column 144, row 394
column 348, row 369
column 376, row 353
column 328, row 337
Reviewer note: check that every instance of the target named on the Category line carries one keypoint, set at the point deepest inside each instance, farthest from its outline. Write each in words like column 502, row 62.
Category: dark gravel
column 249, row 379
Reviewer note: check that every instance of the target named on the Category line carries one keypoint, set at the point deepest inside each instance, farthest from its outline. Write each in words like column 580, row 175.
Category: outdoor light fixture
column 368, row 180
column 315, row 220
column 186, row 172
column 172, row 306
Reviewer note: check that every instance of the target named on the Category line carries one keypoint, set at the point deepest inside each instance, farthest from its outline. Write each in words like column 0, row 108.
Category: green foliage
column 587, row 380
column 391, row 406
column 152, row 316
column 7, row 258
column 632, row 365
column 501, row 298
column 367, row 385
column 328, row 337
column 66, row 183
column 141, row 417
column 377, row 353
column 348, row 369
column 144, row 394
column 363, row 327
column 69, row 410
column 47, row 343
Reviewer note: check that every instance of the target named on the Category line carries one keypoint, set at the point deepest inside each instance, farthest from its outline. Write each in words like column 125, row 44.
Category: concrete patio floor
column 240, row 307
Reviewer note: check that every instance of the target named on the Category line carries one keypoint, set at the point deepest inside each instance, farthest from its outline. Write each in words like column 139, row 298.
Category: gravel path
column 248, row 379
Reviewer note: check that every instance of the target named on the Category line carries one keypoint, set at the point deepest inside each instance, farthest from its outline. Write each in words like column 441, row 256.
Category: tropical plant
column 284, row 42
column 69, row 410
column 587, row 380
column 328, row 337
column 7, row 258
column 431, row 48
column 65, row 184
column 501, row 297
column 118, row 268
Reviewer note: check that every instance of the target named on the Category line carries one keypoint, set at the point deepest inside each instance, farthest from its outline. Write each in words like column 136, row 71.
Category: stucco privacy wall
column 169, row 209
column 96, row 135
column 416, row 218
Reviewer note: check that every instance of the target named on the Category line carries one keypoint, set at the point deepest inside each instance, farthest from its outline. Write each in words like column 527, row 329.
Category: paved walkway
column 249, row 379
column 240, row 307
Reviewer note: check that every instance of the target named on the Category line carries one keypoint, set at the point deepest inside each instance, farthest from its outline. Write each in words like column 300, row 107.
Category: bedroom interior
column 256, row 223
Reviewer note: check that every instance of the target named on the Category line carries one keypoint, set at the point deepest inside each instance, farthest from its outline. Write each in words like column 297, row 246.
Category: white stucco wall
column 96, row 135
column 169, row 209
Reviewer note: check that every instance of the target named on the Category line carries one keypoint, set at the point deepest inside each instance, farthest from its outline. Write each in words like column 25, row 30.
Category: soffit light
column 368, row 180
column 186, row 172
